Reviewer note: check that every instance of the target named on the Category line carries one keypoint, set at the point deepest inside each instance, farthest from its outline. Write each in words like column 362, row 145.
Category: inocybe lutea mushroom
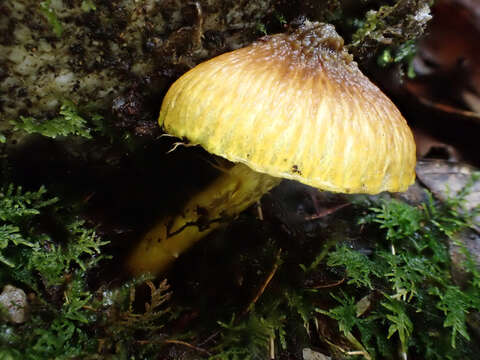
column 291, row 105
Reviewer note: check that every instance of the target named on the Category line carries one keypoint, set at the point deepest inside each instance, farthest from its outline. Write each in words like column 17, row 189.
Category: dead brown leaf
column 446, row 179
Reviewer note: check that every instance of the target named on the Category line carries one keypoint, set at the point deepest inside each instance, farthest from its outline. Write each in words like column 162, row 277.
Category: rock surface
column 14, row 301
column 111, row 56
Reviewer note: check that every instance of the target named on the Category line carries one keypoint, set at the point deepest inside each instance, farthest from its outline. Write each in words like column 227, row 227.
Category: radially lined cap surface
column 295, row 106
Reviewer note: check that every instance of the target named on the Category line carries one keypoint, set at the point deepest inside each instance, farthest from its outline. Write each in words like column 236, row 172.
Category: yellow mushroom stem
column 232, row 192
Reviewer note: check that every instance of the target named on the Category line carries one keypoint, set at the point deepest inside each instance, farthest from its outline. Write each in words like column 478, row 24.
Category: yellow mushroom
column 292, row 106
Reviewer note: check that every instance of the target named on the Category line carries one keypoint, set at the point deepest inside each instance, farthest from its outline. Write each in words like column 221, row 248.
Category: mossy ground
column 371, row 276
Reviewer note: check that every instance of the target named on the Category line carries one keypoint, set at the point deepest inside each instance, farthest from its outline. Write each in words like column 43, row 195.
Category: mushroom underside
column 233, row 191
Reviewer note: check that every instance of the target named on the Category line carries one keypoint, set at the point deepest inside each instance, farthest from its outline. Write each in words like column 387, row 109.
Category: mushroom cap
column 295, row 106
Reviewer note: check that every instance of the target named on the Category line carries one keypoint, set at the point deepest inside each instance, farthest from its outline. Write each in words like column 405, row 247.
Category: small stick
column 211, row 337
column 184, row 343
column 272, row 348
column 329, row 285
column 259, row 210
column 326, row 212
column 265, row 284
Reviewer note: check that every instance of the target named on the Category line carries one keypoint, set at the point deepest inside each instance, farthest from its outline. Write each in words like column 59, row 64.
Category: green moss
column 412, row 271
column 51, row 16
column 403, row 53
column 389, row 34
column 67, row 319
column 69, row 122
column 399, row 296
column 88, row 5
